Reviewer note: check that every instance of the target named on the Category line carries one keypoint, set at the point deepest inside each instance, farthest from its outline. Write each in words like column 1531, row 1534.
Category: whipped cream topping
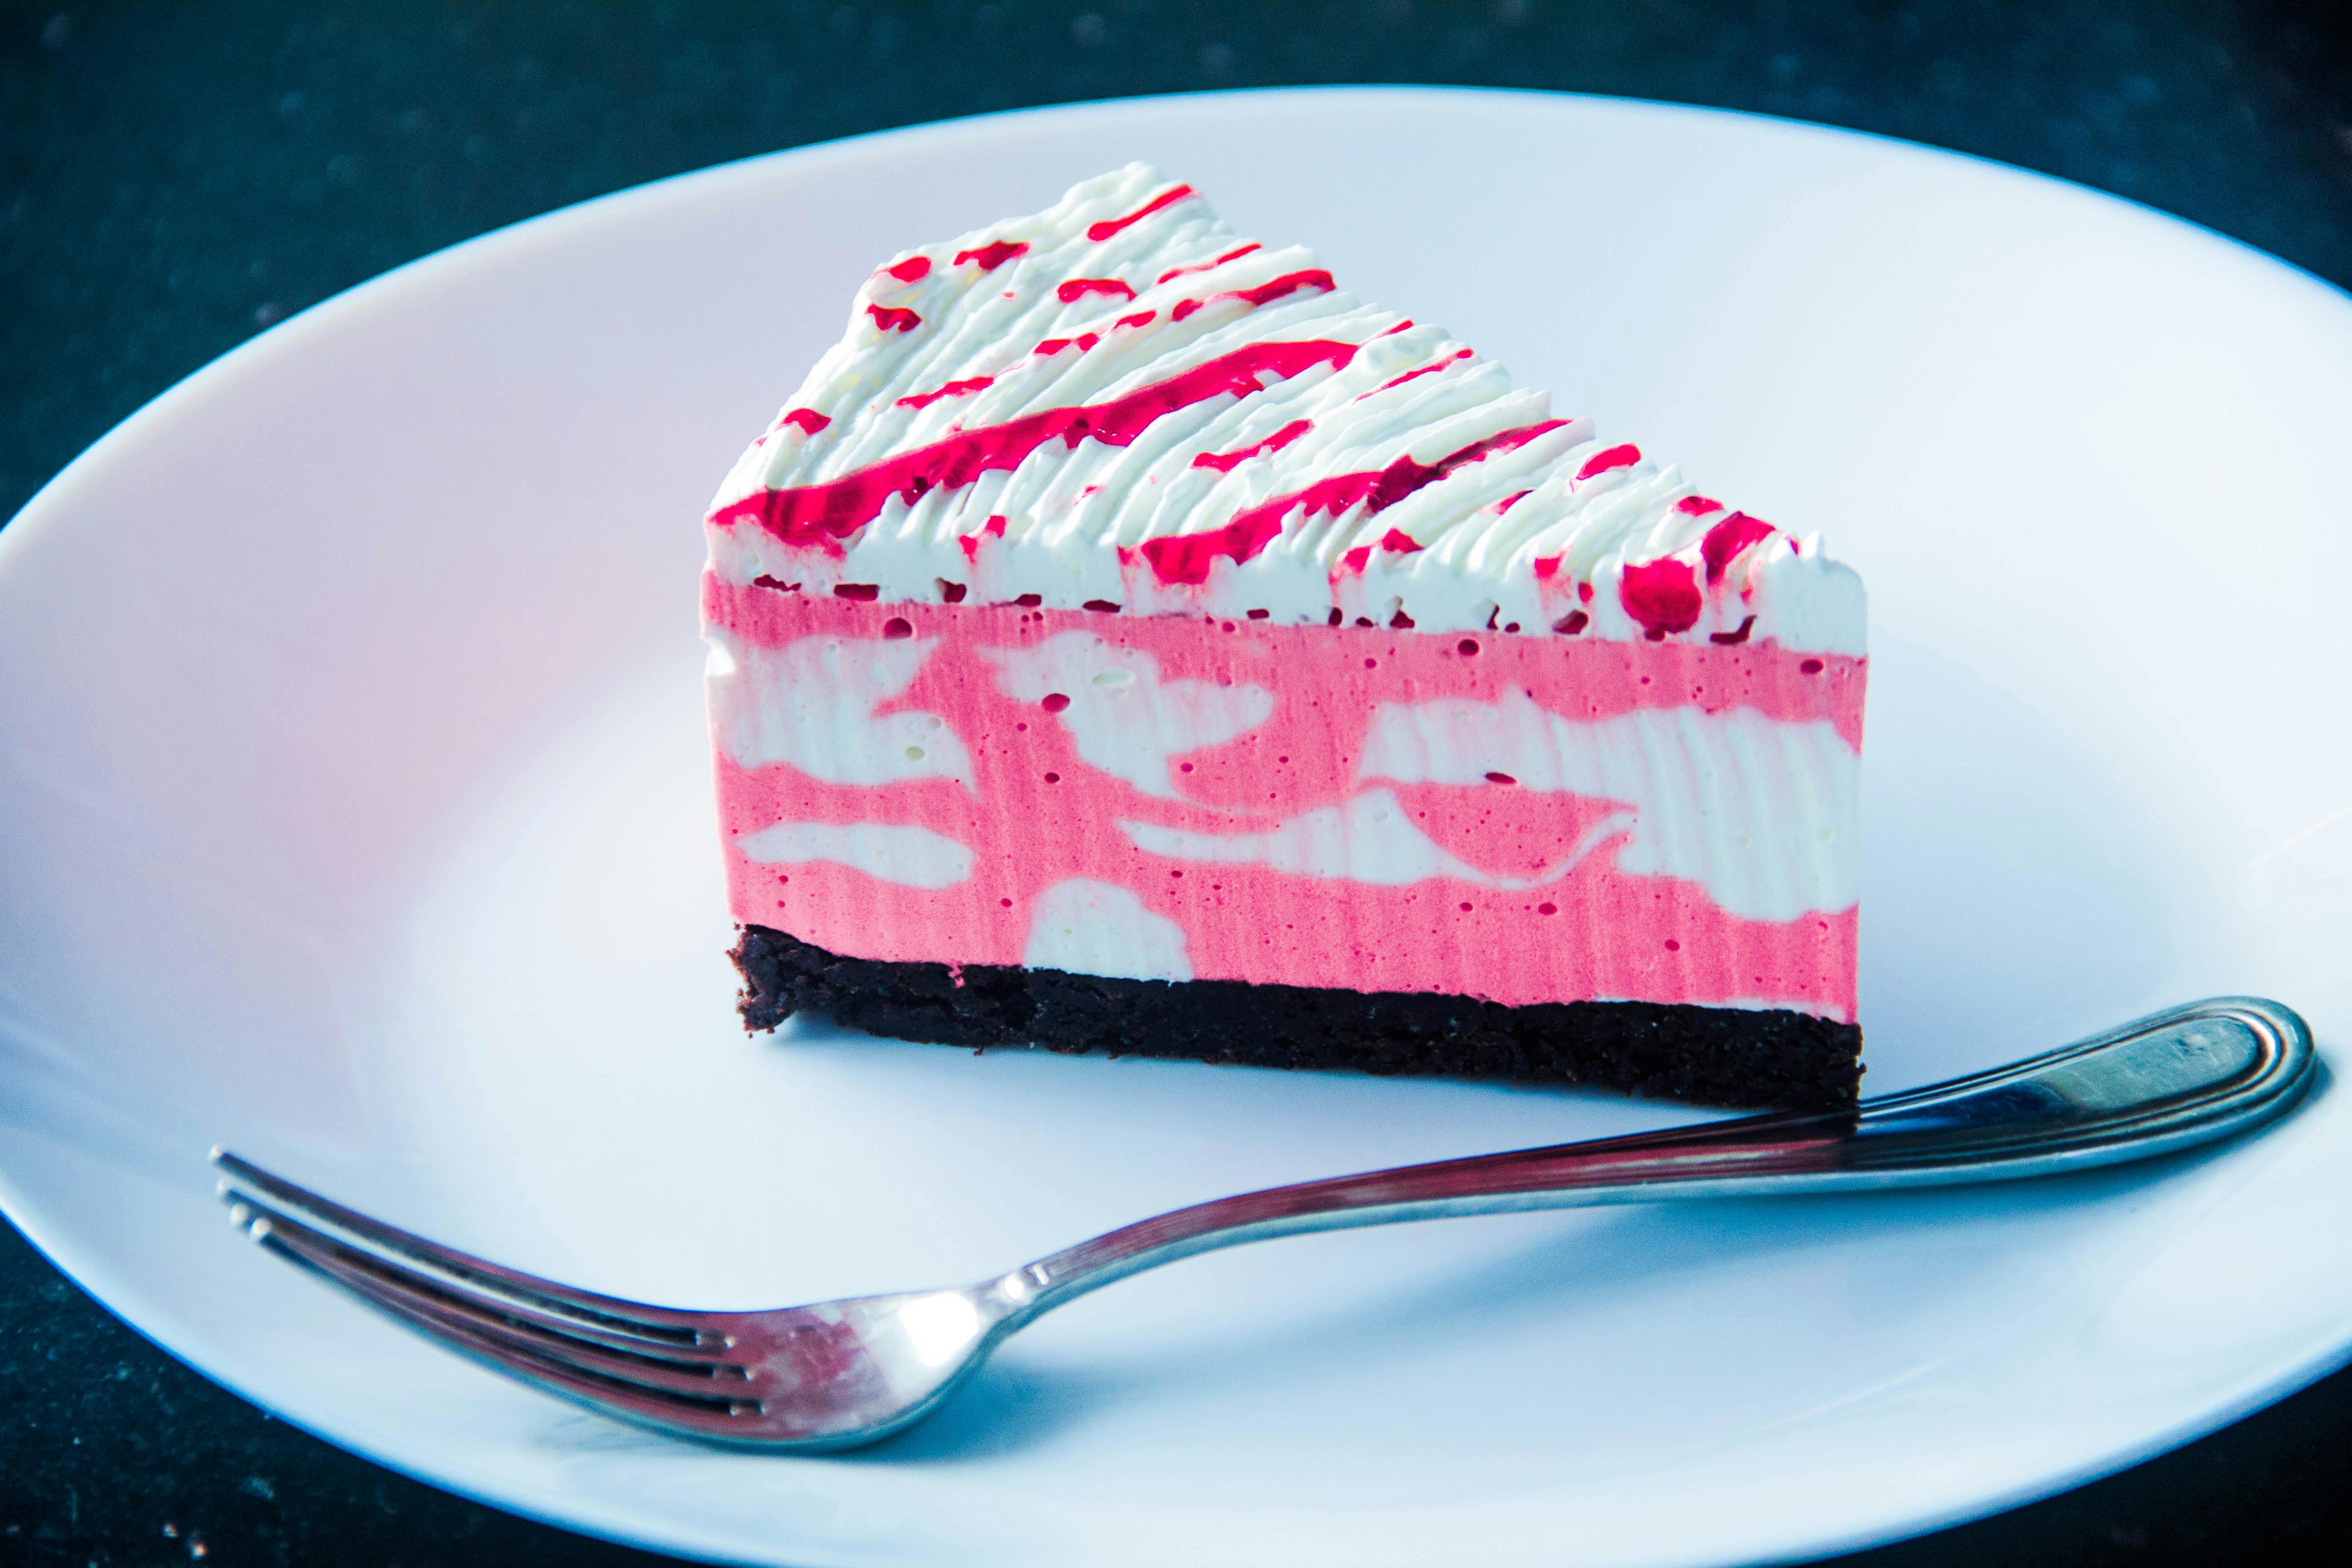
column 1119, row 403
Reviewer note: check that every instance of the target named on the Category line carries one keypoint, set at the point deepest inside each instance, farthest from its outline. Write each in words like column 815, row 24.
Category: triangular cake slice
column 1128, row 637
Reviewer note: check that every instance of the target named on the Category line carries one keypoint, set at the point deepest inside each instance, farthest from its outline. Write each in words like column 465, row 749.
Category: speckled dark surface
column 175, row 177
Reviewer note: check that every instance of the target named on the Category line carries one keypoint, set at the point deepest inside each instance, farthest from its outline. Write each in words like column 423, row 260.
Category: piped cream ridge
column 1120, row 403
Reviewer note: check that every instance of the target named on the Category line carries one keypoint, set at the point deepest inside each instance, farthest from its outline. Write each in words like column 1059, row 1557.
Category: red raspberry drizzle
column 993, row 529
column 808, row 419
column 912, row 269
column 1289, row 283
column 1226, row 462
column 1662, row 594
column 953, row 389
column 1108, row 227
column 891, row 319
column 1623, row 457
column 821, row 515
column 1727, row 539
column 1265, row 293
column 1186, row 558
column 992, row 255
column 1424, row 369
column 1079, row 288
column 1396, row 541
column 1206, row 266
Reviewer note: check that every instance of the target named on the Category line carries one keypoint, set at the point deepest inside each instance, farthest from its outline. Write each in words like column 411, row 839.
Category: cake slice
column 1128, row 639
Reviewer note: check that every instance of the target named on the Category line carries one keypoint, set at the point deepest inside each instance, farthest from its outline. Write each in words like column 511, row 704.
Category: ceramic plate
column 356, row 814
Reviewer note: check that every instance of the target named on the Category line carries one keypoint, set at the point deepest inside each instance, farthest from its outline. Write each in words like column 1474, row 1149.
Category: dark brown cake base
column 1709, row 1056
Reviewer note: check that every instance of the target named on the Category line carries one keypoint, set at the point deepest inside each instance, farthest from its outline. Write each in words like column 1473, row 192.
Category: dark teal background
column 175, row 177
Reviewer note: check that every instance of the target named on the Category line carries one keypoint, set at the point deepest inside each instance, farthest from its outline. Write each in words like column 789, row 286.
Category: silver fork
column 838, row 1374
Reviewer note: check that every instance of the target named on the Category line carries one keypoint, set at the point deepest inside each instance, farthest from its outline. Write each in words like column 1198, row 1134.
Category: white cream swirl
column 1400, row 437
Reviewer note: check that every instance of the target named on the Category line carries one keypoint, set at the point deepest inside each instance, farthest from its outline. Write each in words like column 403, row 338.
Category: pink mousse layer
column 1036, row 815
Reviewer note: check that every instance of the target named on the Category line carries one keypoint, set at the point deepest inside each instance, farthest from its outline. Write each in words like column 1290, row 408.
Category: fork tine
column 614, row 1396
column 526, row 1292
column 487, row 1307
column 714, row 1385
column 657, row 1407
column 389, row 1283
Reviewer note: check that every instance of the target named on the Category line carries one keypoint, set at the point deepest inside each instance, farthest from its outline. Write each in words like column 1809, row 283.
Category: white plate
column 356, row 813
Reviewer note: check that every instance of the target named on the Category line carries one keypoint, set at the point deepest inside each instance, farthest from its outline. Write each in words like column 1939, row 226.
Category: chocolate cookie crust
column 1726, row 1057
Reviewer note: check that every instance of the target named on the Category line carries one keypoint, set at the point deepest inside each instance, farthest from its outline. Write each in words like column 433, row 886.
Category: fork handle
column 2166, row 1082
